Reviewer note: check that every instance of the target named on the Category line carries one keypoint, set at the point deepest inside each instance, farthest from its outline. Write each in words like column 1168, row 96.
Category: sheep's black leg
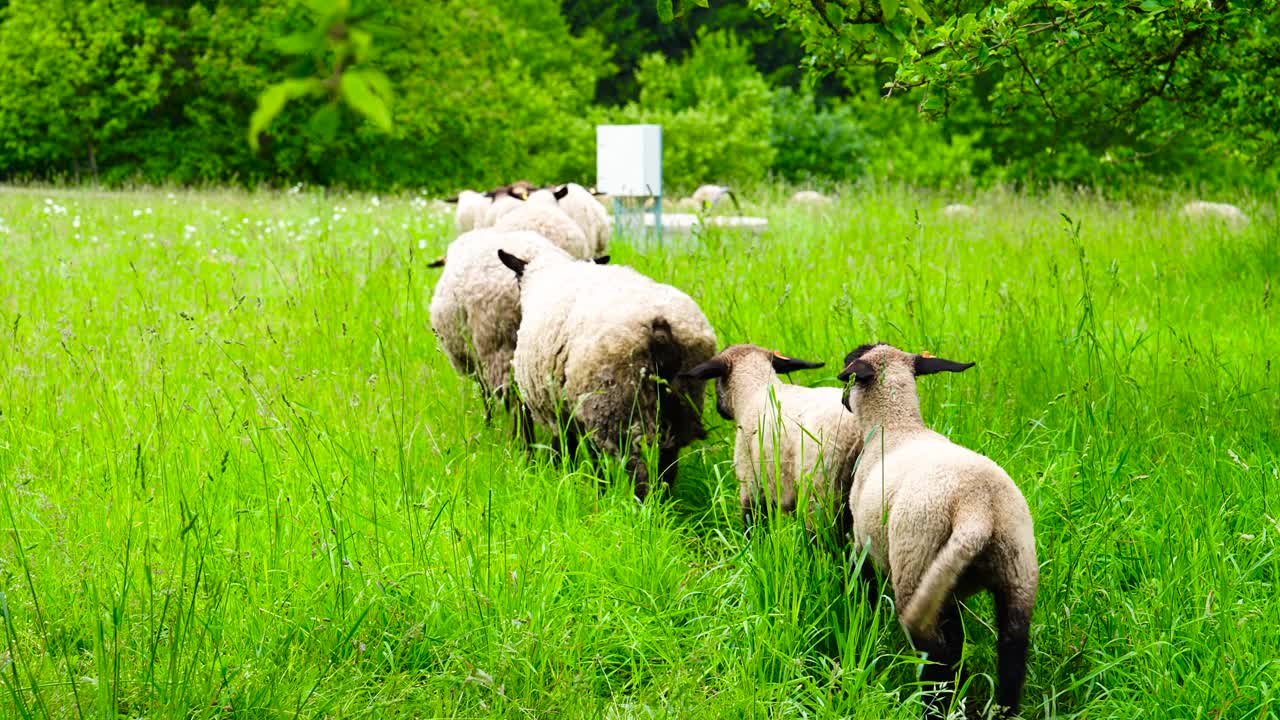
column 1013, row 624
column 668, row 465
column 522, row 425
column 943, row 652
column 868, row 575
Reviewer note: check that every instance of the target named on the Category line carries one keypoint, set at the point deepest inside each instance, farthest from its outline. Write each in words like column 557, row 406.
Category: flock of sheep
column 603, row 356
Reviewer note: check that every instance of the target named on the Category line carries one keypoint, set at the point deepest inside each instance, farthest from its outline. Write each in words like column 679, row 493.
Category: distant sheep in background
column 959, row 210
column 812, row 198
column 1226, row 212
column 706, row 197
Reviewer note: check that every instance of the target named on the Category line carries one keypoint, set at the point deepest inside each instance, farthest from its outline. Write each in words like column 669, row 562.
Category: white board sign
column 629, row 160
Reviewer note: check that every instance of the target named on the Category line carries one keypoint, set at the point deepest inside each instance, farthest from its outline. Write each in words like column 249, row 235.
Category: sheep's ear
column 784, row 365
column 858, row 352
column 453, row 200
column 926, row 364
column 438, row 262
column 600, row 259
column 516, row 264
column 713, row 368
column 860, row 369
column 561, row 191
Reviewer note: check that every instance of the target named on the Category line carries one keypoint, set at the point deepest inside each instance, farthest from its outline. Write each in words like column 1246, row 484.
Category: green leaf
column 299, row 43
column 889, row 8
column 702, row 3
column 361, row 42
column 272, row 101
column 917, row 9
column 855, row 8
column 324, row 123
column 665, row 13
column 835, row 14
column 357, row 90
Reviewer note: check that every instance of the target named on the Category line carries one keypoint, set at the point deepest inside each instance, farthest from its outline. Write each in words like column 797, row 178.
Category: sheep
column 1201, row 210
column 811, row 198
column 959, row 210
column 542, row 215
column 789, row 433
column 942, row 520
column 599, row 356
column 501, row 206
column 580, row 205
column 519, row 189
column 475, row 307
column 470, row 211
column 708, row 196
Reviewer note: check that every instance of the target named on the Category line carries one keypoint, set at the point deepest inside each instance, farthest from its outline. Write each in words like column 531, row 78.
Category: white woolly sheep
column 580, row 205
column 1201, row 210
column 475, row 307
column 470, row 211
column 812, row 198
column 787, row 435
column 942, row 520
column 708, row 196
column 959, row 210
column 499, row 208
column 599, row 356
column 542, row 215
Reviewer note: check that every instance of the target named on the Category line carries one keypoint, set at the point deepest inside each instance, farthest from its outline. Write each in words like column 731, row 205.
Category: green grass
column 237, row 477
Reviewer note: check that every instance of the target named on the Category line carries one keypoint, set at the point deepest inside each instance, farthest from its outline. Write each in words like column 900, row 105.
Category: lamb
column 581, row 205
column 542, row 215
column 475, row 308
column 1201, row 210
column 599, row 356
column 793, row 435
column 942, row 520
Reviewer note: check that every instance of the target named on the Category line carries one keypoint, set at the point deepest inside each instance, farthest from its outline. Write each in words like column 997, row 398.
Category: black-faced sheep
column 943, row 521
column 790, row 440
column 599, row 356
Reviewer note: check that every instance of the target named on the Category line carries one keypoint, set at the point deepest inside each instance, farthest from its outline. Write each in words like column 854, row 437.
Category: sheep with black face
column 791, row 441
column 598, row 358
column 943, row 521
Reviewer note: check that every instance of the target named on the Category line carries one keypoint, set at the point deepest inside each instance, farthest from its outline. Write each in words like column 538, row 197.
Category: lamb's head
column 744, row 367
column 884, row 380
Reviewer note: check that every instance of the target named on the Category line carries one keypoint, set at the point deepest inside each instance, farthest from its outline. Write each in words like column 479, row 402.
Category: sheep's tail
column 664, row 349
column 970, row 532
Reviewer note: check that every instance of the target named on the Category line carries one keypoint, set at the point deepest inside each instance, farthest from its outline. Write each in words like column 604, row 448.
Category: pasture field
column 238, row 478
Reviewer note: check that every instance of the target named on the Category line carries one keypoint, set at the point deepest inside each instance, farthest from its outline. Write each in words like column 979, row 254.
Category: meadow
column 238, row 477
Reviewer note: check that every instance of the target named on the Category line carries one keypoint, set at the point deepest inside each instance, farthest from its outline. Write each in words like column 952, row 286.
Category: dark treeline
column 160, row 91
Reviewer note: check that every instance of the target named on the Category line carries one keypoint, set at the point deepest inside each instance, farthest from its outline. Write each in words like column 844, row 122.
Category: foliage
column 1107, row 81
column 714, row 108
column 829, row 143
column 237, row 478
column 75, row 79
column 484, row 93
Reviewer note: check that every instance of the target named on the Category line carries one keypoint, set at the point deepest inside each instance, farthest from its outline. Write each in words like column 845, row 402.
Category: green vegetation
column 237, row 477
column 476, row 93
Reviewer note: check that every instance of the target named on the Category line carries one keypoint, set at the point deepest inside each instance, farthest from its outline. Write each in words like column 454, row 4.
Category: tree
column 1133, row 79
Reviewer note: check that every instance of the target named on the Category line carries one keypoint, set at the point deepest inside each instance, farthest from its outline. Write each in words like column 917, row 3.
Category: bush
column 829, row 144
column 484, row 93
column 715, row 111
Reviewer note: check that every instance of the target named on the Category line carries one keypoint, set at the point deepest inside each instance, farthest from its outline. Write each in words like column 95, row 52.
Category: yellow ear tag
column 780, row 356
column 926, row 354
